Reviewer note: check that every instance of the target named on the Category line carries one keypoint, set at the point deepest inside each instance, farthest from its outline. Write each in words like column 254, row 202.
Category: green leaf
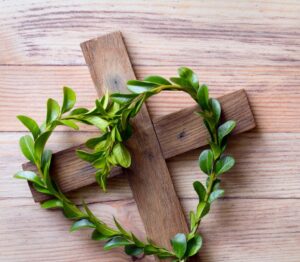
column 100, row 163
column 192, row 220
column 150, row 250
column 224, row 164
column 82, row 223
column 46, row 160
column 136, row 241
column 92, row 142
column 89, row 157
column 179, row 244
column 225, row 129
column 102, row 146
column 122, row 155
column 200, row 190
column 133, row 250
column 216, row 108
column 105, row 100
column 215, row 149
column 31, row 125
column 194, row 245
column 42, row 190
column 202, row 97
column 96, row 235
column 190, row 76
column 72, row 211
column 53, row 111
column 53, row 203
column 27, row 147
column 79, row 111
column 101, row 178
column 138, row 106
column 163, row 254
column 215, row 195
column 139, row 87
column 202, row 209
column 122, row 98
column 180, row 82
column 69, row 123
column 117, row 241
column 45, row 164
column 206, row 161
column 69, row 99
column 121, row 229
column 40, row 143
column 98, row 122
column 157, row 80
column 30, row 176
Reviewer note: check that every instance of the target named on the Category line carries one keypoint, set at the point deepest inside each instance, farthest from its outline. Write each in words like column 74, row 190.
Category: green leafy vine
column 112, row 115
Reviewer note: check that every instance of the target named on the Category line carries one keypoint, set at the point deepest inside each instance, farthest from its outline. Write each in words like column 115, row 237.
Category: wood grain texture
column 248, row 230
column 206, row 33
column 177, row 133
column 270, row 90
column 148, row 175
column 253, row 45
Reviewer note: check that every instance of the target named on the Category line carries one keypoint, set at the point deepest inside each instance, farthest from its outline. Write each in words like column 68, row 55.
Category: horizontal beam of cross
column 177, row 133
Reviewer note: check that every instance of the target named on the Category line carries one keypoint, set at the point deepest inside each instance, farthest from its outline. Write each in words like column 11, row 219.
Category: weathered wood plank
column 177, row 133
column 270, row 90
column 168, row 33
column 228, row 231
column 151, row 185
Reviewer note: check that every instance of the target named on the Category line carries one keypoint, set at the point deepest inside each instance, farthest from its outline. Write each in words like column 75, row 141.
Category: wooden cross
column 150, row 145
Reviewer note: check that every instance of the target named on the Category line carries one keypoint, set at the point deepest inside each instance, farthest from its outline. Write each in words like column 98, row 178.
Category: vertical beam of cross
column 148, row 176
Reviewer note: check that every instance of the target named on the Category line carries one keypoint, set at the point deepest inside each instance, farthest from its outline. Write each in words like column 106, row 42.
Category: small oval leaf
column 53, row 111
column 122, row 155
column 53, row 203
column 69, row 99
column 27, row 147
column 122, row 98
column 31, row 125
column 99, row 122
column 215, row 195
column 216, row 108
column 225, row 129
column 82, row 223
column 139, row 87
column 224, row 164
column 206, row 161
column 179, row 244
column 194, row 245
column 30, row 176
column 202, row 97
column 200, row 190
column 116, row 242
column 39, row 144
column 157, row 80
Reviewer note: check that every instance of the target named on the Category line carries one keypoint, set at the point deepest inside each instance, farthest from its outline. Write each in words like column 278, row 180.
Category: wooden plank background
column 253, row 45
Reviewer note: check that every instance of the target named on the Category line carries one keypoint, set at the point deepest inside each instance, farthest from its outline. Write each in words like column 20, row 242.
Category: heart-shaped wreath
column 112, row 115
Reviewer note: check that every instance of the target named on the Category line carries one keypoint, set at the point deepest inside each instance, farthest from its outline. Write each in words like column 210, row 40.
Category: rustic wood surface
column 233, row 44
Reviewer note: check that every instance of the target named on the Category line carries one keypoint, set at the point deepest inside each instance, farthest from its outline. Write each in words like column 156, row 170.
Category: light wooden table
column 253, row 45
